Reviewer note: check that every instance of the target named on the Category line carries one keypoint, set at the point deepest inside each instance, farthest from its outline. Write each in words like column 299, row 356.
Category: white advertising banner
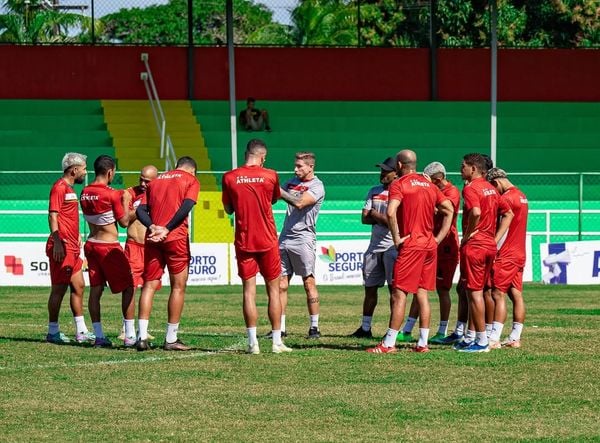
column 26, row 264
column 576, row 263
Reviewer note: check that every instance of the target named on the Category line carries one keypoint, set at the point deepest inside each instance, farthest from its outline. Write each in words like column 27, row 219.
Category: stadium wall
column 112, row 72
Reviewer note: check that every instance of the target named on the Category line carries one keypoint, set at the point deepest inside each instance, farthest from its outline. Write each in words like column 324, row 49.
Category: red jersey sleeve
column 276, row 189
column 505, row 205
column 439, row 196
column 470, row 198
column 395, row 192
column 192, row 190
column 57, row 198
column 225, row 197
column 117, row 204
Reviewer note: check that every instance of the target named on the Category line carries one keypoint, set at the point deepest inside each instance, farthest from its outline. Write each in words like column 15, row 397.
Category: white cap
column 434, row 168
column 73, row 159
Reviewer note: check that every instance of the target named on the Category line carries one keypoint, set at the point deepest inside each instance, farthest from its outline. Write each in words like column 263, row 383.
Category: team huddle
column 414, row 247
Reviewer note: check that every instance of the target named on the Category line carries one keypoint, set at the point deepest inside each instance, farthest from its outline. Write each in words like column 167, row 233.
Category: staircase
column 137, row 143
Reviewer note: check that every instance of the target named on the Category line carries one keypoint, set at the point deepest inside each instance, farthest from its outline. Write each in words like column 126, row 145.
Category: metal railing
column 167, row 151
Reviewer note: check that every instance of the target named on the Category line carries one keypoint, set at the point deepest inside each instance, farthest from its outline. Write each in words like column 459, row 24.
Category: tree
column 325, row 22
column 167, row 24
column 36, row 21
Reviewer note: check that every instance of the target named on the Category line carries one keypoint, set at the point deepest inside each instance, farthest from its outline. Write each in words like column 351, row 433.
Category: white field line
column 178, row 356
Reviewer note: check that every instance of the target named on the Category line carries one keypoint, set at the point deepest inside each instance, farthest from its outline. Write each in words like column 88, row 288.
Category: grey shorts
column 378, row 267
column 298, row 259
column 256, row 125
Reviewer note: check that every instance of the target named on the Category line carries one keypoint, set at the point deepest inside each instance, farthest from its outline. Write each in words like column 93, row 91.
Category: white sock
column 515, row 334
column 143, row 329
column 482, row 338
column 80, row 325
column 460, row 328
column 314, row 321
column 496, row 331
column 53, row 327
column 409, row 325
column 98, row 332
column 389, row 339
column 423, row 336
column 172, row 329
column 488, row 328
column 443, row 327
column 283, row 322
column 276, row 337
column 470, row 336
column 366, row 322
column 252, row 336
column 129, row 326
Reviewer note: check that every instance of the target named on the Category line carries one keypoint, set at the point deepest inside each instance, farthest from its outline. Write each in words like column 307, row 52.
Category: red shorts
column 174, row 254
column 107, row 263
column 507, row 274
column 414, row 269
column 267, row 262
column 61, row 272
column 476, row 265
column 134, row 252
column 445, row 272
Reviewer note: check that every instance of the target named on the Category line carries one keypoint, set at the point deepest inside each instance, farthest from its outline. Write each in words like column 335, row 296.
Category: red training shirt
column 479, row 193
column 164, row 196
column 513, row 247
column 101, row 204
column 418, row 197
column 63, row 200
column 251, row 191
column 451, row 193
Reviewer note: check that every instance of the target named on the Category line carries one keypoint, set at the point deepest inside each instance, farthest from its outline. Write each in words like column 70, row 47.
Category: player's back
column 480, row 193
column 251, row 191
column 419, row 198
column 101, row 204
column 514, row 243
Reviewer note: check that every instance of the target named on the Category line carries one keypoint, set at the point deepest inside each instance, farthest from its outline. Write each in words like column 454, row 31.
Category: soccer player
column 481, row 205
column 304, row 195
column 103, row 207
column 411, row 207
column 249, row 192
column 379, row 259
column 447, row 258
column 136, row 232
column 164, row 211
column 63, row 249
column 507, row 273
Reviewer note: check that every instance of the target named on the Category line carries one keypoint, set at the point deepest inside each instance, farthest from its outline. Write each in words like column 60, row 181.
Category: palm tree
column 40, row 21
column 325, row 22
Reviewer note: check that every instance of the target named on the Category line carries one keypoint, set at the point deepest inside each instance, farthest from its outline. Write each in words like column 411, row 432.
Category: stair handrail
column 167, row 151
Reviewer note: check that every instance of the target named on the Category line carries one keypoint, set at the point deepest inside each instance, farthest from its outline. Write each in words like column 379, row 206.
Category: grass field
column 326, row 390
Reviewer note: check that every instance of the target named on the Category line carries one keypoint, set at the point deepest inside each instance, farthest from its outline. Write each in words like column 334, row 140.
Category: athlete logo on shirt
column 242, row 179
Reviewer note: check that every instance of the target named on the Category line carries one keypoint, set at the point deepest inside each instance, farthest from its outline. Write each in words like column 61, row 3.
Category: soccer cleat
column 177, row 345
column 142, row 345
column 437, row 339
column 121, row 335
column 280, row 348
column 405, row 337
column 382, row 349
column 508, row 343
column 314, row 332
column 85, row 337
column 494, row 344
column 253, row 349
column 269, row 335
column 451, row 339
column 129, row 342
column 102, row 342
column 461, row 345
column 58, row 339
column 361, row 333
column 420, row 349
column 475, row 347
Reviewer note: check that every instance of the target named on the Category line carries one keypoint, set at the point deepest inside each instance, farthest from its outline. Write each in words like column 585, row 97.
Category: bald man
column 136, row 231
column 411, row 208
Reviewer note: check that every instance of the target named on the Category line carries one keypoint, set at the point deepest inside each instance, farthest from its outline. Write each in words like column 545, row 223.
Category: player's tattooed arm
column 298, row 201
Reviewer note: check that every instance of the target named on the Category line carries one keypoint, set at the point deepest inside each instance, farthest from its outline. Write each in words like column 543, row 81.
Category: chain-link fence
column 352, row 23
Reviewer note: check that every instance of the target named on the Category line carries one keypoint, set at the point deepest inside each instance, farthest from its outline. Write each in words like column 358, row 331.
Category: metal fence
column 353, row 23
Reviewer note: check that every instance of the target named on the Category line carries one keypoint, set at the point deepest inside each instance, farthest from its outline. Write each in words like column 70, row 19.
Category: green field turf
column 326, row 390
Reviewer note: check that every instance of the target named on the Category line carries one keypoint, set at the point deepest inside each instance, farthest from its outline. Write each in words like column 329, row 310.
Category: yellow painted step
column 211, row 223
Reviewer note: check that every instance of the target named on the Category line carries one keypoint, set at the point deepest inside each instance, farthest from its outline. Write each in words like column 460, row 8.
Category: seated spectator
column 253, row 119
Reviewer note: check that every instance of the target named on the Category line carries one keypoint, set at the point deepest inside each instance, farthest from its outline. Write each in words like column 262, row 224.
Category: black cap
column 389, row 164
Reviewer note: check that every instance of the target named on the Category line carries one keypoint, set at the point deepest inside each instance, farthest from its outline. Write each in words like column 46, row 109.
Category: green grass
column 326, row 390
